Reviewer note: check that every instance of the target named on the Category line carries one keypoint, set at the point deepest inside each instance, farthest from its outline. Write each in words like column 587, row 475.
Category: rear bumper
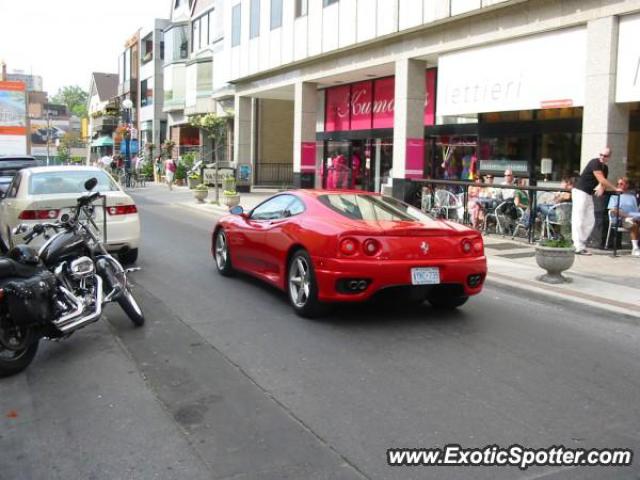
column 385, row 274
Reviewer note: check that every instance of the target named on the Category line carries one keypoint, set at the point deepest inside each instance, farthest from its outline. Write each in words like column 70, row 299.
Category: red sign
column 337, row 108
column 361, row 95
column 430, row 99
column 383, row 102
column 371, row 104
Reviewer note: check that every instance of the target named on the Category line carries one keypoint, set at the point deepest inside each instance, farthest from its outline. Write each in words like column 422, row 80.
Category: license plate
column 425, row 276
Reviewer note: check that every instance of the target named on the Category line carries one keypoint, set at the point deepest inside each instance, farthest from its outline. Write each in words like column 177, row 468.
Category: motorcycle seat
column 12, row 269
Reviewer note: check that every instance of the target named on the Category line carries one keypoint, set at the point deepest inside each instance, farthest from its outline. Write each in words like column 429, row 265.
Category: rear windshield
column 46, row 183
column 372, row 207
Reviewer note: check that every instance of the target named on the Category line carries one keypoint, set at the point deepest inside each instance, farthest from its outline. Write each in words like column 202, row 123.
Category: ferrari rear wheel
column 302, row 286
column 448, row 302
column 221, row 254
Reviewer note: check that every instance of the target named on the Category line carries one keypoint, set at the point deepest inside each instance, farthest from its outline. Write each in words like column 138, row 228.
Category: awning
column 133, row 147
column 103, row 141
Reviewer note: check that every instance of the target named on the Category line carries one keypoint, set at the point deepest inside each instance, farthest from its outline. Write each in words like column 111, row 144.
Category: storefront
column 357, row 142
column 498, row 109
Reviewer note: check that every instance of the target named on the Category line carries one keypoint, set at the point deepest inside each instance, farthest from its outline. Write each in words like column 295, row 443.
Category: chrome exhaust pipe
column 74, row 321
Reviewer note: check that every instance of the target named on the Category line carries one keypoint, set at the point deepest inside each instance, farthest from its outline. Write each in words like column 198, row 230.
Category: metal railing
column 462, row 188
column 274, row 174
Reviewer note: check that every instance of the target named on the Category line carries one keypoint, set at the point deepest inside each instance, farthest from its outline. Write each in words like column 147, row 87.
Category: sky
column 64, row 41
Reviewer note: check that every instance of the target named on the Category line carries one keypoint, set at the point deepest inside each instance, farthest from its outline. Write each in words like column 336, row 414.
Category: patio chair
column 449, row 204
column 504, row 222
column 558, row 219
column 614, row 223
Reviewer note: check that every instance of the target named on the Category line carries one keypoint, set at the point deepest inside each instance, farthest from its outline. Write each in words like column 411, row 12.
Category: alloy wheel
column 299, row 281
column 222, row 251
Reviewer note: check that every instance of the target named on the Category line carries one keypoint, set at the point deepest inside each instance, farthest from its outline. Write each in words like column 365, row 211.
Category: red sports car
column 345, row 246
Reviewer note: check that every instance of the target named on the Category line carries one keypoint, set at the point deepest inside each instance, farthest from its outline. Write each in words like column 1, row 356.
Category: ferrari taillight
column 371, row 246
column 467, row 246
column 38, row 214
column 122, row 210
column 478, row 246
column 348, row 246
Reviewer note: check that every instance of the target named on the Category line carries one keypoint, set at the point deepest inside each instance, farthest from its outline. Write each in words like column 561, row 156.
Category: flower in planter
column 201, row 187
column 556, row 243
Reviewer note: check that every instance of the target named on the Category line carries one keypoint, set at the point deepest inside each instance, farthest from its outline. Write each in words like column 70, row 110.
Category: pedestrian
column 592, row 180
column 169, row 171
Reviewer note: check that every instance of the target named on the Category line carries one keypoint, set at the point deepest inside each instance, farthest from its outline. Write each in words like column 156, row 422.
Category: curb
column 621, row 311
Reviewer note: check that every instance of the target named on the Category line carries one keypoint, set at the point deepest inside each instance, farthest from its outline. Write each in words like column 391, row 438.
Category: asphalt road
column 225, row 381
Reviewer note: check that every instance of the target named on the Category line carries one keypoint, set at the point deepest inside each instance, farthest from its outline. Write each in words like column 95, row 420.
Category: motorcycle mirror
column 90, row 184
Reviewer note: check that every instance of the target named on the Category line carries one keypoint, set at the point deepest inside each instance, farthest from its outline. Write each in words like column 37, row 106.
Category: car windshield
column 372, row 207
column 72, row 181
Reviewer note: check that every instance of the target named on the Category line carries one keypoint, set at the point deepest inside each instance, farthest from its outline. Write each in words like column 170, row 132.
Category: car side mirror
column 237, row 210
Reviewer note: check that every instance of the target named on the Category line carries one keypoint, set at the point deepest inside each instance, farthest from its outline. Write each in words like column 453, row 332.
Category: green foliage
column 188, row 159
column 215, row 127
column 181, row 172
column 202, row 187
column 229, row 185
column 556, row 243
column 75, row 98
column 147, row 169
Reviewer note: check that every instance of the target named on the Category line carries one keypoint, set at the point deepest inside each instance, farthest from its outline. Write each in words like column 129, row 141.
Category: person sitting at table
column 544, row 208
column 474, row 204
column 627, row 213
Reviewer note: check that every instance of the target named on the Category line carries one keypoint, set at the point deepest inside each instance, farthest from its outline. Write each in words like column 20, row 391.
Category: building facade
column 364, row 94
column 104, row 114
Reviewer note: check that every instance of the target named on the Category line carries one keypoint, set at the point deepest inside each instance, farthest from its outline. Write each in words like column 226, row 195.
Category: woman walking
column 169, row 171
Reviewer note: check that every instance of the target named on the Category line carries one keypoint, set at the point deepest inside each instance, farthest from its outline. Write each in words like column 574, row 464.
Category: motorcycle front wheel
column 114, row 275
column 15, row 358
column 130, row 306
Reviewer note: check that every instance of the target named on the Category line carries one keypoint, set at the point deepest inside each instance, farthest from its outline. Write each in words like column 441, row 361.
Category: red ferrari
column 345, row 246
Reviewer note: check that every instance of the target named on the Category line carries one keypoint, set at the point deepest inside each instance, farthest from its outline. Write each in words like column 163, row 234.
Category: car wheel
column 129, row 257
column 303, row 287
column 221, row 254
column 448, row 302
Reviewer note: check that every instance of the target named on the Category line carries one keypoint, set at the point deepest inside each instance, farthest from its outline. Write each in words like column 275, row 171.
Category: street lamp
column 127, row 105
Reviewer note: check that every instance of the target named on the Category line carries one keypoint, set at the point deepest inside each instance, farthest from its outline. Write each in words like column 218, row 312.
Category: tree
column 67, row 142
column 216, row 127
column 75, row 98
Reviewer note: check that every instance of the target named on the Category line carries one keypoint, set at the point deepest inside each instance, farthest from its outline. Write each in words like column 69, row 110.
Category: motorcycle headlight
column 82, row 267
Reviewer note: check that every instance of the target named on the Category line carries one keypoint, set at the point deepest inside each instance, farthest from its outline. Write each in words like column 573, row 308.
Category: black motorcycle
column 54, row 292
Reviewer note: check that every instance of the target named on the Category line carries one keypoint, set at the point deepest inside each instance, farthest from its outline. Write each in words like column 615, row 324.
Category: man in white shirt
column 507, row 193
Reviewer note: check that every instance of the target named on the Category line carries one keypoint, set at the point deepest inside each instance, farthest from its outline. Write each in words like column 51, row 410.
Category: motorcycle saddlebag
column 30, row 300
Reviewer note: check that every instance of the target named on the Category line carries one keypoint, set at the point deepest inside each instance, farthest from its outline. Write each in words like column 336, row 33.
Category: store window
column 235, row 25
column 633, row 151
column 302, row 8
column 326, row 3
column 276, row 14
column 254, row 19
column 496, row 154
column 564, row 151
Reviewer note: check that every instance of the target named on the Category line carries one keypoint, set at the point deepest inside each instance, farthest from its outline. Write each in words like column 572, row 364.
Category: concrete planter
column 554, row 261
column 231, row 200
column 194, row 182
column 200, row 195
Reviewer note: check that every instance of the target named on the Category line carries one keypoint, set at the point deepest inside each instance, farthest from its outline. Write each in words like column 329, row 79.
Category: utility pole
column 48, row 135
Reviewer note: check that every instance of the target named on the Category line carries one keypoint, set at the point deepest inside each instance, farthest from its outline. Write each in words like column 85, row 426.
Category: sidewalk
column 601, row 281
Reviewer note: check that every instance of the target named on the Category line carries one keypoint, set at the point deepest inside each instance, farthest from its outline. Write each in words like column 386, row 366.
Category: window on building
column 326, row 3
column 162, row 50
column 147, row 48
column 146, row 92
column 177, row 43
column 302, row 7
column 235, row 25
column 195, row 35
column 254, row 19
column 177, row 4
column 276, row 14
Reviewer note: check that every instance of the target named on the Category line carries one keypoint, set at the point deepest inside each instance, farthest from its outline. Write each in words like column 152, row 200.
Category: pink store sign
column 371, row 104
